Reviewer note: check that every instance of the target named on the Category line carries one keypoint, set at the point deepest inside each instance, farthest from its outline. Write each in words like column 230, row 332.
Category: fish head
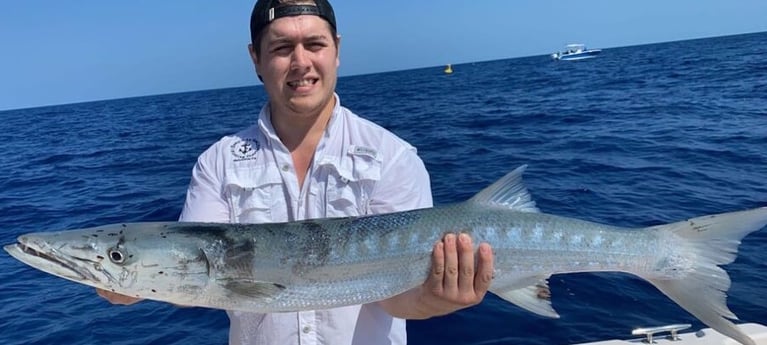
column 139, row 261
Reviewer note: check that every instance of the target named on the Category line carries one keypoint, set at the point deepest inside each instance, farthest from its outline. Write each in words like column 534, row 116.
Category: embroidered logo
column 245, row 149
column 363, row 151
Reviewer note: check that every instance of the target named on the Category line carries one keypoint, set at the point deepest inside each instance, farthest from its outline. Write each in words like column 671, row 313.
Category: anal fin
column 535, row 298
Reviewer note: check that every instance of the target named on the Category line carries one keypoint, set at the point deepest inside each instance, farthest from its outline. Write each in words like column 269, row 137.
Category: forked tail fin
column 708, row 242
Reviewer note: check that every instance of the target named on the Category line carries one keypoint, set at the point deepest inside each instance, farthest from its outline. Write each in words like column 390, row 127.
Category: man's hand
column 116, row 298
column 454, row 281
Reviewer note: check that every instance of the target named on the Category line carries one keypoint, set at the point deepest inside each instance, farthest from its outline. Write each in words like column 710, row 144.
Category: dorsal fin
column 509, row 192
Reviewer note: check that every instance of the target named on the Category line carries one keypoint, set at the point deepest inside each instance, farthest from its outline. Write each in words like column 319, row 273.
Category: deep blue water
column 640, row 136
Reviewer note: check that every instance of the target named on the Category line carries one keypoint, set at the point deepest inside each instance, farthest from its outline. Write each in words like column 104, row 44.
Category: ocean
column 639, row 136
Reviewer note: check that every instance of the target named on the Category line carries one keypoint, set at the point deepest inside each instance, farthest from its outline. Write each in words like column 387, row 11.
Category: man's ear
column 252, row 53
column 254, row 58
column 338, row 50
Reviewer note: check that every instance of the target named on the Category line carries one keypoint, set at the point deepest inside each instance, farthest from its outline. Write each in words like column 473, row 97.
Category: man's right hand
column 116, row 298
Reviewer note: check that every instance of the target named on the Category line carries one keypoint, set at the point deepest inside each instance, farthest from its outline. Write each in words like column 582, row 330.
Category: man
column 309, row 157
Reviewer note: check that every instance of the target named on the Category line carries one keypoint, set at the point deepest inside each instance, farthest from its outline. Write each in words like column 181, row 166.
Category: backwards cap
column 266, row 11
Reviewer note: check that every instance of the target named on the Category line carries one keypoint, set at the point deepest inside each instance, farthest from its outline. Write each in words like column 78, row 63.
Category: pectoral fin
column 535, row 298
column 252, row 288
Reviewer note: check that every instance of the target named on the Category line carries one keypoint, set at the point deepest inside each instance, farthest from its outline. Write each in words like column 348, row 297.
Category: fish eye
column 116, row 256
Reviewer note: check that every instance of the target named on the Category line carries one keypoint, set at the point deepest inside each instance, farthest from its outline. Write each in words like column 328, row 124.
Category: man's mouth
column 303, row 82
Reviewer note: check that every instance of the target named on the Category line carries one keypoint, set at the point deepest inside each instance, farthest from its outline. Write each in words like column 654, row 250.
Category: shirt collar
column 267, row 128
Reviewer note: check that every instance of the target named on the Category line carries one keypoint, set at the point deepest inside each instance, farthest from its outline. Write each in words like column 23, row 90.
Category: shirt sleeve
column 404, row 185
column 205, row 200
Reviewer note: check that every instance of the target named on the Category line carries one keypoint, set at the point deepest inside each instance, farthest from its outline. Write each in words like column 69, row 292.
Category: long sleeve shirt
column 359, row 168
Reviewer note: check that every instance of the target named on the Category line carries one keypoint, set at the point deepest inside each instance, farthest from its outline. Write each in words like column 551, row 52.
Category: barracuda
column 326, row 263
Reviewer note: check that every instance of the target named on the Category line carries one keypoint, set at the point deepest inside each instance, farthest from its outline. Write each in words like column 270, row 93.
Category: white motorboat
column 576, row 52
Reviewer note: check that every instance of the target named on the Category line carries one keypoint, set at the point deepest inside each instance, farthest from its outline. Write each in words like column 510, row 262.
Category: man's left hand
column 454, row 281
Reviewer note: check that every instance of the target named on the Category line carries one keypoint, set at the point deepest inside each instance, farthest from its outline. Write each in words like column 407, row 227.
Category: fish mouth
column 50, row 261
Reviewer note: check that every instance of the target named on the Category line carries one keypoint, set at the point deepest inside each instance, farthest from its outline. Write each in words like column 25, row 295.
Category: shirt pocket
column 350, row 184
column 251, row 194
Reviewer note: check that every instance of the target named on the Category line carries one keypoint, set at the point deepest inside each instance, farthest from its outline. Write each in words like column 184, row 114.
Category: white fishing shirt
column 359, row 168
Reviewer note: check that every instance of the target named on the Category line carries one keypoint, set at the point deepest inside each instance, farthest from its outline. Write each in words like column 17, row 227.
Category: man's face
column 298, row 64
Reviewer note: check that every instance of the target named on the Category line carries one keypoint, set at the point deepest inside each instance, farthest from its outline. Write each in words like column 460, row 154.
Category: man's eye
column 281, row 49
column 315, row 46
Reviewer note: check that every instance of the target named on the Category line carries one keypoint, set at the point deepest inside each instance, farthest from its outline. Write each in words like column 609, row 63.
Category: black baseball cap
column 265, row 11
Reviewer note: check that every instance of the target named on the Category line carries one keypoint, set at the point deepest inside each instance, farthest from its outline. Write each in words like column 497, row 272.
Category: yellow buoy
column 448, row 69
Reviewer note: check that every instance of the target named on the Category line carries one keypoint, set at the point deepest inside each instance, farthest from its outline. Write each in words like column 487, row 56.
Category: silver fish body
column 326, row 263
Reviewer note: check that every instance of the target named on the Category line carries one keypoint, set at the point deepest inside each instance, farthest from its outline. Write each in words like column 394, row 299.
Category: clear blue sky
column 54, row 52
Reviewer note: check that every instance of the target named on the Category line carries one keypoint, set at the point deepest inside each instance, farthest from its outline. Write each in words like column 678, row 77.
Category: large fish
column 326, row 263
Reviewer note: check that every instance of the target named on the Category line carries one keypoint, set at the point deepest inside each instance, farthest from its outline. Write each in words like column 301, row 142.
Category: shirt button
column 306, row 329
column 285, row 167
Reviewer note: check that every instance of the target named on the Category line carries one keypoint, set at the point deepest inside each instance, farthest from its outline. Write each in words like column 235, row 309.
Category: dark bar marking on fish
column 207, row 232
column 239, row 252
column 240, row 256
column 317, row 245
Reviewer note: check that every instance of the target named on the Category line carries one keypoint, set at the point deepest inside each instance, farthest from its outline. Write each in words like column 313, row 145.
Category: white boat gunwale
column 705, row 336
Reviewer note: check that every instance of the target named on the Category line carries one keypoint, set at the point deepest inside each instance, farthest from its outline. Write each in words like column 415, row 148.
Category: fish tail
column 700, row 286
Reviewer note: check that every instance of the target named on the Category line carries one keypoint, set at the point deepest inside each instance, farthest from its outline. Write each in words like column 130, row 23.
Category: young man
column 309, row 157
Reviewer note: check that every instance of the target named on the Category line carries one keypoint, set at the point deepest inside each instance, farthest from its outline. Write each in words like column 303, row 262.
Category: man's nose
column 300, row 58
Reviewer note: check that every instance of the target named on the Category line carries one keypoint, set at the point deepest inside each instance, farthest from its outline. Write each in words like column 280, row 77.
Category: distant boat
column 448, row 69
column 576, row 52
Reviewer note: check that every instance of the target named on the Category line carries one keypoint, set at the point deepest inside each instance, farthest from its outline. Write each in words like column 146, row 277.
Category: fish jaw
column 38, row 254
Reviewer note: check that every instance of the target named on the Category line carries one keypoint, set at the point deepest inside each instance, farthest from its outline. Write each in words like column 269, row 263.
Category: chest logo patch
column 245, row 149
